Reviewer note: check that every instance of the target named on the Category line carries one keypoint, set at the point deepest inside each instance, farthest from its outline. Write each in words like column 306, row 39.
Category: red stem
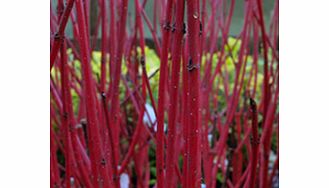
column 193, row 25
column 175, row 72
column 161, row 97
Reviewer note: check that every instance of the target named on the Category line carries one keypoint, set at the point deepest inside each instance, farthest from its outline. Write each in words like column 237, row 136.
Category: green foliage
column 220, row 177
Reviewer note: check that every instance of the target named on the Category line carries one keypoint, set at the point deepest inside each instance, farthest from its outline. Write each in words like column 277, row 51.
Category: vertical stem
column 176, row 59
column 90, row 98
column 161, row 97
column 184, row 117
column 65, row 118
column 193, row 25
column 266, row 93
column 114, row 111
